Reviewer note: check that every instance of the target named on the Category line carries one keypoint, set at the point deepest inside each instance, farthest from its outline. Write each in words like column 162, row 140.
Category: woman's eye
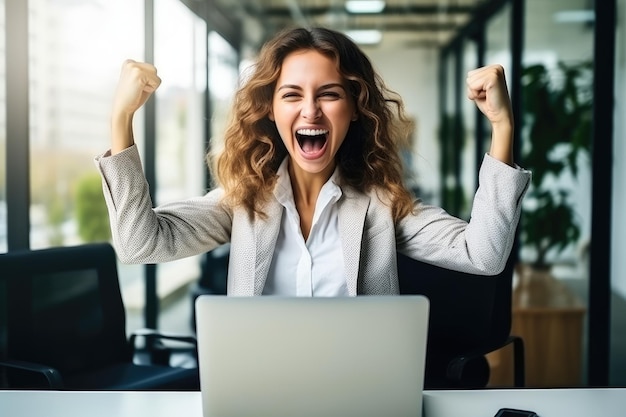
column 330, row 94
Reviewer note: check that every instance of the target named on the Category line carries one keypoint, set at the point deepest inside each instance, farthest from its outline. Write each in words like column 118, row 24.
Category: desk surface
column 481, row 403
column 551, row 402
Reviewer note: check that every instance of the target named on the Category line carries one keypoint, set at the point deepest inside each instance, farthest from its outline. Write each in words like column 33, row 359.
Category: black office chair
column 213, row 277
column 470, row 316
column 65, row 326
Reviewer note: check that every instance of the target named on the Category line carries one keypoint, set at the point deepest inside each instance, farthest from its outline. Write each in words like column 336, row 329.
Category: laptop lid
column 300, row 357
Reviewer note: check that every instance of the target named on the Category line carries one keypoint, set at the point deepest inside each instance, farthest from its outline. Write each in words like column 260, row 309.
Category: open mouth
column 311, row 141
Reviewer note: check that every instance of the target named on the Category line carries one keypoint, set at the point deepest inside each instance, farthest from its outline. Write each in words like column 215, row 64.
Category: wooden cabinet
column 550, row 319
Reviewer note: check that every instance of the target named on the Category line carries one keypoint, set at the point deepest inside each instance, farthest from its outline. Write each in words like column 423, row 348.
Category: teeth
column 311, row 132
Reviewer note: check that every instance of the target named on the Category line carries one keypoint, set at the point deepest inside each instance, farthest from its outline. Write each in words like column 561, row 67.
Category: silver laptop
column 303, row 357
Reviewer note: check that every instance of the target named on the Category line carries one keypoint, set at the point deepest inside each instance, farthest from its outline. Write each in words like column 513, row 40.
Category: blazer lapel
column 352, row 211
column 265, row 235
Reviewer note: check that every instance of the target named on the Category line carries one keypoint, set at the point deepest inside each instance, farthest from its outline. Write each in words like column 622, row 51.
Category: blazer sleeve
column 480, row 246
column 143, row 234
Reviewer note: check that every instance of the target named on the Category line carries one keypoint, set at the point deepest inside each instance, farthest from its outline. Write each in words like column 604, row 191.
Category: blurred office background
column 61, row 58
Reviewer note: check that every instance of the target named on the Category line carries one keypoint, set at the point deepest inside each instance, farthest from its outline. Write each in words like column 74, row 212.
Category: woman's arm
column 481, row 246
column 140, row 233
column 171, row 231
column 486, row 86
column 138, row 80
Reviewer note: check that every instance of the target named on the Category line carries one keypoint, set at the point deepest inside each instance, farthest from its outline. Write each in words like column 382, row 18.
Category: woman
column 309, row 183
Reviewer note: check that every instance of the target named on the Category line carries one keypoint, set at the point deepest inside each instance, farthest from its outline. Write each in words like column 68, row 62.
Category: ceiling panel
column 403, row 23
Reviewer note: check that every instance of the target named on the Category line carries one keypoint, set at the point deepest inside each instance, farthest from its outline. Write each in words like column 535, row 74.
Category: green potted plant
column 557, row 107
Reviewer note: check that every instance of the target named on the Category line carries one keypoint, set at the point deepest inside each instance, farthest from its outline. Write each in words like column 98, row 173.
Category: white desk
column 483, row 403
column 99, row 404
column 577, row 402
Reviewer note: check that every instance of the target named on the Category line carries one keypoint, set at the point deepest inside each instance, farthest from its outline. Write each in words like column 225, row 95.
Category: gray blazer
column 369, row 237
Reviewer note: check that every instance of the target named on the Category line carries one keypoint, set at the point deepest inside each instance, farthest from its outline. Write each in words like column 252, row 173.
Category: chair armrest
column 51, row 375
column 156, row 351
column 151, row 334
column 457, row 365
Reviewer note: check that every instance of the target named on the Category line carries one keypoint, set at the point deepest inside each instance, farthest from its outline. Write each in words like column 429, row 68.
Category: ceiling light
column 365, row 6
column 365, row 37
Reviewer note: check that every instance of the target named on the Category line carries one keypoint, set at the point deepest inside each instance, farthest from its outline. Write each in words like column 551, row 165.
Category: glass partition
column 498, row 51
column 617, row 376
column 468, row 139
column 446, row 135
column 550, row 285
column 556, row 219
column 180, row 57
column 3, row 133
column 557, row 79
column 3, row 324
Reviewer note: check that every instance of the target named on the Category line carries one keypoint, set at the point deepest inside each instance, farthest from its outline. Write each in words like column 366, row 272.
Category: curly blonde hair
column 369, row 158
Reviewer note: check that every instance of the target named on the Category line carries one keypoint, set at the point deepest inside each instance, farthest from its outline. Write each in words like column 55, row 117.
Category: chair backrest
column 64, row 307
column 467, row 311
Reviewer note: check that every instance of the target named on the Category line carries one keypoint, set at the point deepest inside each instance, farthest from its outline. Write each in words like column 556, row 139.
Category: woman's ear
column 270, row 116
column 355, row 117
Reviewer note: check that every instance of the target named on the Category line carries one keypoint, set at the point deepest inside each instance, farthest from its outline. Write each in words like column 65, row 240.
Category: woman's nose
column 311, row 109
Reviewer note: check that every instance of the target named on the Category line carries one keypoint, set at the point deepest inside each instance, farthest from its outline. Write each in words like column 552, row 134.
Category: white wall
column 413, row 73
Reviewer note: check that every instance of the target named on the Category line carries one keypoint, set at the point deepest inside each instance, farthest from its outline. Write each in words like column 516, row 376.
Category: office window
column 618, row 283
column 3, row 131
column 76, row 50
column 180, row 49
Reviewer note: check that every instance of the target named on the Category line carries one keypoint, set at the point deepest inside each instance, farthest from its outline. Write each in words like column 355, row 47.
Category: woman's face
column 312, row 111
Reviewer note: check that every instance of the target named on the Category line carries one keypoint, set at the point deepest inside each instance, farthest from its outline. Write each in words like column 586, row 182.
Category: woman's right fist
column 138, row 80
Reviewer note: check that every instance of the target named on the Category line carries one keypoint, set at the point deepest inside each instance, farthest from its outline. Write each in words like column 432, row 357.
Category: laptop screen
column 283, row 356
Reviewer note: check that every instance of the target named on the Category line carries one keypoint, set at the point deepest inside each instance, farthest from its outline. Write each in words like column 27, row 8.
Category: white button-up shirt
column 313, row 267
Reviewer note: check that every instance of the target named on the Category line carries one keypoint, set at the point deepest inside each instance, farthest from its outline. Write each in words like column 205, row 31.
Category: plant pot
column 537, row 287
column 549, row 318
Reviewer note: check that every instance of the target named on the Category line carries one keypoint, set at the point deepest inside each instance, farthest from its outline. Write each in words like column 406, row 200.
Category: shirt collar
column 331, row 191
